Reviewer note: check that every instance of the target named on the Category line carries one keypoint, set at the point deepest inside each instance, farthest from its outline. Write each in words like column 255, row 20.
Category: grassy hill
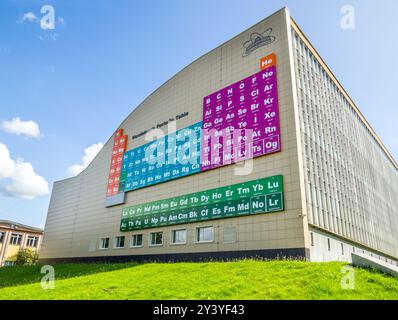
column 247, row 279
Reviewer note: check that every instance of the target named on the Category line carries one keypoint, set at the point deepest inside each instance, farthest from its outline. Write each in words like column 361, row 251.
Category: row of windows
column 180, row 236
column 349, row 180
column 16, row 239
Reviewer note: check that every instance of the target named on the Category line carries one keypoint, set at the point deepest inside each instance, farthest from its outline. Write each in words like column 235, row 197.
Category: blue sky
column 80, row 80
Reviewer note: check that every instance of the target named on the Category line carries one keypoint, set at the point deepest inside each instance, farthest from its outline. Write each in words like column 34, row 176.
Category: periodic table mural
column 240, row 121
column 174, row 156
column 119, row 147
column 247, row 105
column 248, row 198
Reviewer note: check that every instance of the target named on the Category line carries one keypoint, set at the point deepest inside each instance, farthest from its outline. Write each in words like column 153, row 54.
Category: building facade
column 254, row 149
column 15, row 236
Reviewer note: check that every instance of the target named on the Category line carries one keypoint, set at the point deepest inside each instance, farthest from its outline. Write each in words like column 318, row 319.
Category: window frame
column 204, row 241
column 150, row 239
column 18, row 241
column 35, row 240
column 116, row 242
column 100, row 247
column 132, row 245
column 235, row 240
column 178, row 243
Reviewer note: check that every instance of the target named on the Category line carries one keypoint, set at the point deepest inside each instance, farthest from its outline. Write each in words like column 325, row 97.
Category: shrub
column 26, row 257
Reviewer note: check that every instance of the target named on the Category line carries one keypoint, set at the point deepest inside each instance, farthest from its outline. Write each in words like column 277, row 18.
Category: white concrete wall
column 340, row 249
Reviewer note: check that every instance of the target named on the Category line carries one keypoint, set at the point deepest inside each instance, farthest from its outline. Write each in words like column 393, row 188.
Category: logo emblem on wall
column 258, row 40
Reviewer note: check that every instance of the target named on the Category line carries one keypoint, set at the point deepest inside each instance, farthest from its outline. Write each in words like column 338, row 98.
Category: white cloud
column 18, row 127
column 18, row 178
column 89, row 155
column 28, row 16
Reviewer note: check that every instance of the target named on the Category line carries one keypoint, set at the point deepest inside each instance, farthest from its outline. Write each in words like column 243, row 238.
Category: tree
column 26, row 257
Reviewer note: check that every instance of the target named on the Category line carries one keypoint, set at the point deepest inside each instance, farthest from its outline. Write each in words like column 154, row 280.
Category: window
column 15, row 239
column 104, row 243
column 179, row 236
column 328, row 244
column 229, row 234
column 205, row 234
column 92, row 244
column 342, row 249
column 119, row 242
column 156, row 239
column 312, row 239
column 136, row 240
column 2, row 237
column 32, row 241
column 9, row 263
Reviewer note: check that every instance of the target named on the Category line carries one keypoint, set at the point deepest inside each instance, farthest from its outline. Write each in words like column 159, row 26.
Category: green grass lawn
column 247, row 279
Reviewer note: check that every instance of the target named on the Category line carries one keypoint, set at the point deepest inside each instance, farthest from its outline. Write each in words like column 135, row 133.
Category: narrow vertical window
column 156, row 239
column 119, row 242
column 104, row 243
column 136, row 240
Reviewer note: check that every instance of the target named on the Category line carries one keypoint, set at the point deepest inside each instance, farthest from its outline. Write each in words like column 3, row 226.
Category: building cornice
column 18, row 227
